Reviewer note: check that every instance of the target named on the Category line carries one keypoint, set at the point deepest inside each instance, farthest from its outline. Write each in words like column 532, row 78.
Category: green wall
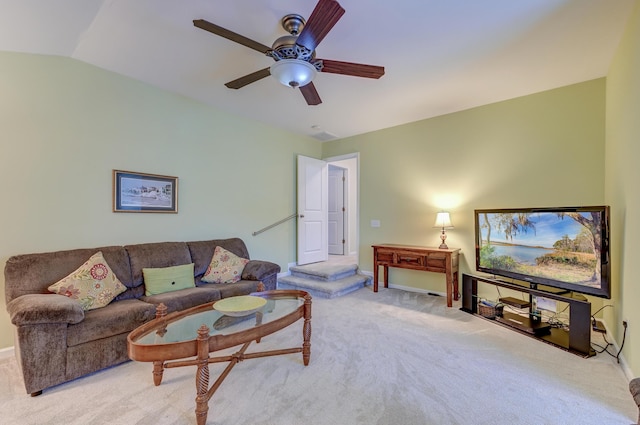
column 545, row 149
column 622, row 177
column 66, row 125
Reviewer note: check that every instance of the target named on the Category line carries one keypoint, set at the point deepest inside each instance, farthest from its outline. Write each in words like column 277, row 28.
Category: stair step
column 324, row 289
column 324, row 271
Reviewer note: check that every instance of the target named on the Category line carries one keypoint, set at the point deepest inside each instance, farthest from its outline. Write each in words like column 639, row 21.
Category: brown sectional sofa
column 56, row 341
column 634, row 387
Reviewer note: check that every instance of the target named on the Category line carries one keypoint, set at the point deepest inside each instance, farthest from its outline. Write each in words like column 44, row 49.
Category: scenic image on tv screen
column 562, row 246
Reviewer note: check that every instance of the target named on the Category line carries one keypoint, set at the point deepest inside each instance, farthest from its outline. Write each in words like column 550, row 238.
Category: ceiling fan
column 295, row 58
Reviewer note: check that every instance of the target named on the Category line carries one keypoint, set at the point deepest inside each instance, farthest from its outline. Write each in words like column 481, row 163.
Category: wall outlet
column 625, row 323
column 375, row 223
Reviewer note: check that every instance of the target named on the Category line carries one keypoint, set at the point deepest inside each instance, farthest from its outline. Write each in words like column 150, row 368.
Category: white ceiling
column 440, row 56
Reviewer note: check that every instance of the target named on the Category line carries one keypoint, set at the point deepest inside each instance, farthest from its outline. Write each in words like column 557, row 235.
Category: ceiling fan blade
column 354, row 69
column 325, row 15
column 248, row 79
column 310, row 94
column 230, row 35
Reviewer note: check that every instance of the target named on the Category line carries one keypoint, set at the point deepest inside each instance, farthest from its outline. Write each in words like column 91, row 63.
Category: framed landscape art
column 142, row 192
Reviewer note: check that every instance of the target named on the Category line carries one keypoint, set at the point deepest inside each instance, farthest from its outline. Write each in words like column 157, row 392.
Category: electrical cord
column 624, row 336
column 605, row 349
column 601, row 308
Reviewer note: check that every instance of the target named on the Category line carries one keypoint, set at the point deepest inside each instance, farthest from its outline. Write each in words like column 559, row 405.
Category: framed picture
column 141, row 192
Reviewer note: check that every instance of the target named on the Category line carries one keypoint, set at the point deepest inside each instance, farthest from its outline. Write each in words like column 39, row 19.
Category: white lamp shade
column 443, row 221
column 293, row 72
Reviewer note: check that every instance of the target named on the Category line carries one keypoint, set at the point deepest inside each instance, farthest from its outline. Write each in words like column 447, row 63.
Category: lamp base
column 443, row 237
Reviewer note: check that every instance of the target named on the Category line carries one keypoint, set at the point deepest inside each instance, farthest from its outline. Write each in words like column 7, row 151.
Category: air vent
column 324, row 136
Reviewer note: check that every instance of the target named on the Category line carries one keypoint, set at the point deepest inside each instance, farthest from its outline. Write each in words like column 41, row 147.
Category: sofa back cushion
column 33, row 273
column 202, row 252
column 155, row 255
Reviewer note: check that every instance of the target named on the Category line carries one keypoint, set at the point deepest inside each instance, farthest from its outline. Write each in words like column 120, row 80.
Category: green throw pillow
column 167, row 279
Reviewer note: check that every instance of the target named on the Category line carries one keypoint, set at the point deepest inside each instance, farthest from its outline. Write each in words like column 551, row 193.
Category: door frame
column 353, row 198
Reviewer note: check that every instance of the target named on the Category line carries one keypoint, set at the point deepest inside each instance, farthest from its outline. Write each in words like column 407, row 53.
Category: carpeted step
column 322, row 288
column 324, row 271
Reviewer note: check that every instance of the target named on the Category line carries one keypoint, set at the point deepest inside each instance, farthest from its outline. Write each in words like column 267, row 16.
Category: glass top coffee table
column 187, row 338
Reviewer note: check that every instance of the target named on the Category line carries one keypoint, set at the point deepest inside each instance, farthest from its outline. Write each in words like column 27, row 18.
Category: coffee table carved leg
column 158, row 370
column 158, row 366
column 202, row 376
column 306, row 331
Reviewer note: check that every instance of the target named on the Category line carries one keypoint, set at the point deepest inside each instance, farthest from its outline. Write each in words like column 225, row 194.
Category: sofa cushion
column 226, row 290
column 33, row 273
column 155, row 255
column 184, row 298
column 116, row 318
column 202, row 251
column 167, row 279
column 93, row 284
column 225, row 267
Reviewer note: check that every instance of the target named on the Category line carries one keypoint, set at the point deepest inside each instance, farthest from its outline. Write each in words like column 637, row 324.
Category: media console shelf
column 576, row 340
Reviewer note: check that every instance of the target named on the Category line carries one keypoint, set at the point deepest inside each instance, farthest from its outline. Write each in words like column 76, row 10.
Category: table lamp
column 443, row 221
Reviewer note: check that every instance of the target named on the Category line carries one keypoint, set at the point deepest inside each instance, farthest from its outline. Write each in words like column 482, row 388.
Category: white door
column 337, row 210
column 312, row 210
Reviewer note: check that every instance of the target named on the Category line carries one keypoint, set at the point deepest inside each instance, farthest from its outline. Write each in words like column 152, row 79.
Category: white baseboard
column 288, row 271
column 404, row 288
column 418, row 290
column 6, row 353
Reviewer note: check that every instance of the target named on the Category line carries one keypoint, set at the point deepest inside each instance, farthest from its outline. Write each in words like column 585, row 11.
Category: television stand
column 576, row 340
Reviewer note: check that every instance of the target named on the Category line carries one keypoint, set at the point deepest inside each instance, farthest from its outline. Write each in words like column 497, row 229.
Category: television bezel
column 604, row 291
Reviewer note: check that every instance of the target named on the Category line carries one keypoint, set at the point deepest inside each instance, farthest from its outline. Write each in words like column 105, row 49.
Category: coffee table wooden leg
column 158, row 370
column 306, row 331
column 202, row 376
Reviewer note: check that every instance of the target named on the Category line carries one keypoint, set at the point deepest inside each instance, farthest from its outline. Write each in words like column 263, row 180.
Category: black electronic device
column 515, row 302
column 534, row 327
column 598, row 326
column 565, row 248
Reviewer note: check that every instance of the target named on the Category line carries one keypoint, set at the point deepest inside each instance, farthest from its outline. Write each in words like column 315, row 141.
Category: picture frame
column 143, row 192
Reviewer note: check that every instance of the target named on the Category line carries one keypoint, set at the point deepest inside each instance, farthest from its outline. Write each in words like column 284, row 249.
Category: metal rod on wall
column 275, row 224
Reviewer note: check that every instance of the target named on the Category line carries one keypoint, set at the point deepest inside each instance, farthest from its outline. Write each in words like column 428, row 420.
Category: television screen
column 566, row 248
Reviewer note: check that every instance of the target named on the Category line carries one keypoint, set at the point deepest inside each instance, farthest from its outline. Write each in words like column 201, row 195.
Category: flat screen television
column 565, row 248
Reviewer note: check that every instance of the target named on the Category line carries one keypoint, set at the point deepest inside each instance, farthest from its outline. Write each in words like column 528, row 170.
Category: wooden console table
column 422, row 258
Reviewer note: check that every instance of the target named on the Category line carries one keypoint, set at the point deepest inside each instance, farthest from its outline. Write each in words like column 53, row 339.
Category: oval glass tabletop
column 183, row 327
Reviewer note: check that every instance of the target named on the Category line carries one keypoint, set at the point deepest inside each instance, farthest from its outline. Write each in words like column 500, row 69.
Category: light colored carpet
column 391, row 358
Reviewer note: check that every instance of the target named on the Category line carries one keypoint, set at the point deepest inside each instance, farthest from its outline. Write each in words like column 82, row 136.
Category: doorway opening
column 344, row 224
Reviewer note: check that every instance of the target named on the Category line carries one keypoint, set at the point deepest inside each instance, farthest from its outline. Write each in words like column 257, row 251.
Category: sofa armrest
column 634, row 388
column 32, row 309
column 259, row 270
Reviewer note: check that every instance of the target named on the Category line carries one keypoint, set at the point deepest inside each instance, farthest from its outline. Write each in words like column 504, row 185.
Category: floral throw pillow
column 93, row 284
column 225, row 267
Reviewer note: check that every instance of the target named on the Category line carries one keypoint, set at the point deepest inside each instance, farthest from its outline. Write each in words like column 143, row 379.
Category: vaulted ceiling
column 440, row 56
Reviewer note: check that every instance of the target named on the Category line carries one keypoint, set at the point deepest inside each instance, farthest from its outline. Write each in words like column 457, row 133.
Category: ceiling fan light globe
column 293, row 72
